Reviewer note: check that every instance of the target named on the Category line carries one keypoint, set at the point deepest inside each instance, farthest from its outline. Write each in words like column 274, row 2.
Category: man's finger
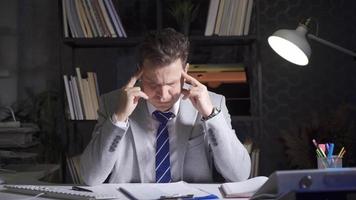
column 134, row 79
column 185, row 93
column 139, row 94
column 190, row 79
column 130, row 89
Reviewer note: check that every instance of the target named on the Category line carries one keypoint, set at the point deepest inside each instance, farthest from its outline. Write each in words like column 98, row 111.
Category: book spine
column 117, row 16
column 241, row 16
column 89, row 19
column 106, row 19
column 79, row 17
column 233, row 25
column 78, row 98
column 99, row 14
column 212, row 14
column 82, row 94
column 64, row 18
column 70, row 17
column 113, row 18
column 94, row 95
column 69, row 97
column 89, row 103
column 248, row 17
column 74, row 100
column 85, row 19
column 219, row 18
column 95, row 18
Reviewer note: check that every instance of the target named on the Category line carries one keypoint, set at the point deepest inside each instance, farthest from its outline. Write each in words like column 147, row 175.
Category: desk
column 211, row 188
column 27, row 173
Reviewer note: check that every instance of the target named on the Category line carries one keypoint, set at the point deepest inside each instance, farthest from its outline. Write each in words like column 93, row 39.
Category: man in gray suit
column 164, row 125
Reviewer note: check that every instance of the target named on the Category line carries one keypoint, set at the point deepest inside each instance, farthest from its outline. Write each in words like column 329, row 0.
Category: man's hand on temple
column 129, row 96
column 198, row 95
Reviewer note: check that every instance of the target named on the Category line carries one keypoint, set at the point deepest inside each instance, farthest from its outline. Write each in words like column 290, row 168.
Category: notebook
column 242, row 189
column 57, row 192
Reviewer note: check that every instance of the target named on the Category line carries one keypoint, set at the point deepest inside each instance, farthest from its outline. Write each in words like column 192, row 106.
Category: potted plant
column 184, row 12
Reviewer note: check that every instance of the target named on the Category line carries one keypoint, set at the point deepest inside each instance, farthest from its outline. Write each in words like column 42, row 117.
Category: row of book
column 229, row 17
column 82, row 96
column 91, row 18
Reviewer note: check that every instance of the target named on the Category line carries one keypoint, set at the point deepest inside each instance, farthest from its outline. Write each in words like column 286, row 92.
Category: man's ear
column 186, row 68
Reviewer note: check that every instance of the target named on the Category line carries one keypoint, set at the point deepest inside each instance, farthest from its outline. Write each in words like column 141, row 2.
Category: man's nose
column 163, row 93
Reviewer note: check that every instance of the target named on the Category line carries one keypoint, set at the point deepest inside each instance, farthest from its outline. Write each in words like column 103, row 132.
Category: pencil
column 316, row 146
column 341, row 152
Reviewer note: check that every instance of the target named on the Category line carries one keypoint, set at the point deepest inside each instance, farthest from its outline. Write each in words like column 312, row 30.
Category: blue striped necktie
column 163, row 168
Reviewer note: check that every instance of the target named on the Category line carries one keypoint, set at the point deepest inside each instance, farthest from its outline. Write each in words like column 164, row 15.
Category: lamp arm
column 337, row 47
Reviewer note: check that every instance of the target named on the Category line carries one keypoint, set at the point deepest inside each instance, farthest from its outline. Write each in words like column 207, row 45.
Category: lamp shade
column 292, row 45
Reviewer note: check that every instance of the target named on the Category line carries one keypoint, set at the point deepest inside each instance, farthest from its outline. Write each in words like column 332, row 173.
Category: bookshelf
column 113, row 59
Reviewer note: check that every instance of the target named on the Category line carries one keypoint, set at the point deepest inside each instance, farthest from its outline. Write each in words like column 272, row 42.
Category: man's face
column 162, row 84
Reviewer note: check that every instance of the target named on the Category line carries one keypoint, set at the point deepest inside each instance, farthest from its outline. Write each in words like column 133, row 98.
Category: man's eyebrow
column 147, row 78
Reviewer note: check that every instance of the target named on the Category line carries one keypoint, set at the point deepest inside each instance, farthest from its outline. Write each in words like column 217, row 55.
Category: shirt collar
column 174, row 108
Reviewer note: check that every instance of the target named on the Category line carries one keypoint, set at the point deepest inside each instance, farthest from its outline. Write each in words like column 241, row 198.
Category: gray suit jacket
column 121, row 153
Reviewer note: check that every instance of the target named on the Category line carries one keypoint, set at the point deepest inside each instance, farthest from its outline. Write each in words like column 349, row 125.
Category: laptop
column 280, row 183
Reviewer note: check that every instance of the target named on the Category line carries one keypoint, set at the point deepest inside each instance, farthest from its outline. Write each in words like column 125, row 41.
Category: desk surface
column 210, row 188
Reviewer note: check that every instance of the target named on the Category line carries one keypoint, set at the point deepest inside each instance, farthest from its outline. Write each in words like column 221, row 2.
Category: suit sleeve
column 231, row 158
column 97, row 159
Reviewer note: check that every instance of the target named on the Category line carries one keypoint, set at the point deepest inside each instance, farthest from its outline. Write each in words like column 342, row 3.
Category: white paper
column 243, row 188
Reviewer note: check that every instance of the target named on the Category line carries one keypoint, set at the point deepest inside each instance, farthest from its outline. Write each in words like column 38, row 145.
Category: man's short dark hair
column 164, row 47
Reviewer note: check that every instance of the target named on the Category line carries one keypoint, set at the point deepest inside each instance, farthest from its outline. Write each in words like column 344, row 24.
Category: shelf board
column 134, row 41
column 223, row 40
column 102, row 42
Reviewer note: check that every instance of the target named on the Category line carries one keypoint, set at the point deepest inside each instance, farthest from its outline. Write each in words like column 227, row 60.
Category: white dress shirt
column 149, row 170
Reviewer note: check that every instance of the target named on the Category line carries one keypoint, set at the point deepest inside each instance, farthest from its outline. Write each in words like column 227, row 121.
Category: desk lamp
column 293, row 46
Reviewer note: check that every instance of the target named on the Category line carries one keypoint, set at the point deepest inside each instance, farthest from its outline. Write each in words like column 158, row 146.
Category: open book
column 243, row 189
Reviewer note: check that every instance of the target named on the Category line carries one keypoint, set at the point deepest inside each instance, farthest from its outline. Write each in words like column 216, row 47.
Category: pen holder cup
column 329, row 163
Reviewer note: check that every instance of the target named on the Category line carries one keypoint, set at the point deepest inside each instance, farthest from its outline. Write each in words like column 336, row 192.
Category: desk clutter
column 142, row 191
column 279, row 185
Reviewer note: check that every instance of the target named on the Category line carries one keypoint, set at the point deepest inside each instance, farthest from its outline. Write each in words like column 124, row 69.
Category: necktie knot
column 163, row 117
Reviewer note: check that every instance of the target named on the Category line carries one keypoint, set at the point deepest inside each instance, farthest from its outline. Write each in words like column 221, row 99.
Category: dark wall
column 292, row 95
column 29, row 43
column 8, row 52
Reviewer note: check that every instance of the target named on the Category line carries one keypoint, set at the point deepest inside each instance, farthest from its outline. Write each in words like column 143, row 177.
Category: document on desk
column 177, row 190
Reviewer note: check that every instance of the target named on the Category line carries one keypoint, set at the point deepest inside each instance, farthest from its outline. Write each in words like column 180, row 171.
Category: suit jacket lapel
column 138, row 124
column 186, row 118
